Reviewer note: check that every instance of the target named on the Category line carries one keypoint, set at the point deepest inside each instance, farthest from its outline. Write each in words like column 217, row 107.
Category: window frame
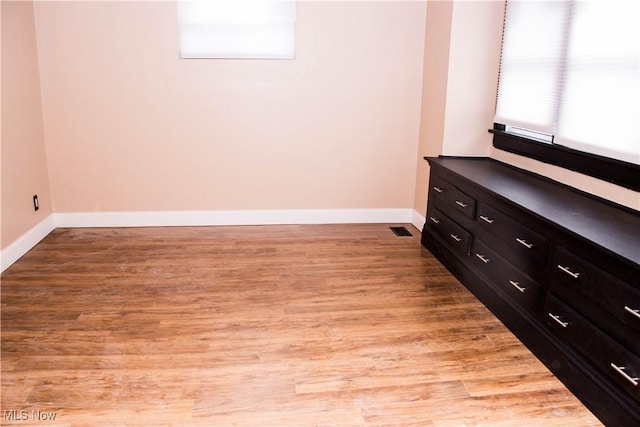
column 625, row 173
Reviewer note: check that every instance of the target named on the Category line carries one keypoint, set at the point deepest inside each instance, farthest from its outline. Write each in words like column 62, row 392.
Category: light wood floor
column 333, row 325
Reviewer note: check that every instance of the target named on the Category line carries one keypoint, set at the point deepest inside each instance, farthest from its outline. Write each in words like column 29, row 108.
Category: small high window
column 253, row 29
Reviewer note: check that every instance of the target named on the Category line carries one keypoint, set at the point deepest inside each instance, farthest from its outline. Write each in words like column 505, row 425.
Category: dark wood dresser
column 560, row 268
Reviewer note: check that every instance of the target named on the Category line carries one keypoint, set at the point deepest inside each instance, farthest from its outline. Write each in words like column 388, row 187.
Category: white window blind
column 571, row 69
column 248, row 29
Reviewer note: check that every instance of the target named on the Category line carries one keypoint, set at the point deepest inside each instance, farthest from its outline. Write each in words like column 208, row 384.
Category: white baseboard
column 22, row 245
column 418, row 220
column 237, row 217
column 28, row 240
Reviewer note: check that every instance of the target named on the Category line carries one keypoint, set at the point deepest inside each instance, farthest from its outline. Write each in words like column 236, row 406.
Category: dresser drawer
column 517, row 285
column 522, row 246
column 616, row 362
column 449, row 197
column 457, row 237
column 574, row 275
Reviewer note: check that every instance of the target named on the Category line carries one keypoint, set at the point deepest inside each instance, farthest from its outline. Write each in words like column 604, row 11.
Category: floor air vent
column 400, row 231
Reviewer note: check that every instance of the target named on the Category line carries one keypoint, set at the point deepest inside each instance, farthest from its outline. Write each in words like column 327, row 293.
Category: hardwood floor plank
column 264, row 325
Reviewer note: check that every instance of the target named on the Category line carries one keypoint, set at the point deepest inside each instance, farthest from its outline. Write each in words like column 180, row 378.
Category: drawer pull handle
column 461, row 204
column 456, row 237
column 557, row 319
column 517, row 286
column 483, row 258
column 434, row 220
column 438, row 189
column 524, row 243
column 633, row 311
column 569, row 272
column 620, row 370
column 487, row 219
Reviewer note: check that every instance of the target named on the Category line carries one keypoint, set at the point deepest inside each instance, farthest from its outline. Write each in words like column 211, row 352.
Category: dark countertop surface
column 614, row 228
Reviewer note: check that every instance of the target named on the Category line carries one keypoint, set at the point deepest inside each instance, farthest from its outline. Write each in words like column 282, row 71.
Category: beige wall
column 434, row 93
column 474, row 58
column 461, row 58
column 24, row 164
column 130, row 127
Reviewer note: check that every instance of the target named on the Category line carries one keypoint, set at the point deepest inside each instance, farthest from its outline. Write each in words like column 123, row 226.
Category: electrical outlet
column 36, row 205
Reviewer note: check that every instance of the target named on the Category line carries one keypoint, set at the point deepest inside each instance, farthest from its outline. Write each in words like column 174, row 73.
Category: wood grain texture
column 345, row 325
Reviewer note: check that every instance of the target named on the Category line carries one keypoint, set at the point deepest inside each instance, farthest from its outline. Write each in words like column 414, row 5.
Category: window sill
column 611, row 170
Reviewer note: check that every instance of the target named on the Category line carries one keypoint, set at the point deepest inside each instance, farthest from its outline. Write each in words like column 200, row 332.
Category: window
column 251, row 29
column 569, row 85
